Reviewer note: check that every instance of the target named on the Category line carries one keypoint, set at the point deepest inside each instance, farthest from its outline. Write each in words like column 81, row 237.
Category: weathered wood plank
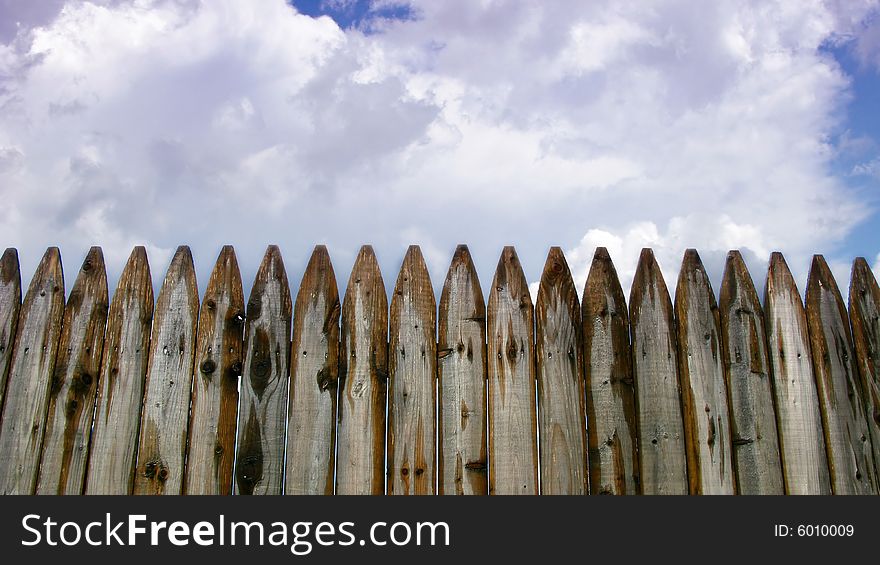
column 798, row 419
column 461, row 352
column 610, row 398
column 162, row 445
column 363, row 377
column 701, row 374
column 513, row 448
column 121, row 386
column 747, row 371
column 847, row 439
column 662, row 458
column 864, row 311
column 218, row 366
column 75, row 381
column 259, row 467
column 560, row 375
column 10, row 305
column 30, row 376
column 314, row 373
column 412, row 368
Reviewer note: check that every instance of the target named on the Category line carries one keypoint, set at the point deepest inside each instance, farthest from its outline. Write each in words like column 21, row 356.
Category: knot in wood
column 208, row 366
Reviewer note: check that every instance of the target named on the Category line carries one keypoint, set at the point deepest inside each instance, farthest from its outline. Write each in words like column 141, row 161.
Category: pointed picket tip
column 557, row 277
column 366, row 266
column 462, row 261
column 509, row 278
column 602, row 280
column 779, row 277
column 271, row 269
column 10, row 271
column 92, row 277
column 414, row 274
column 318, row 276
column 225, row 276
column 48, row 273
column 136, row 281
column 181, row 269
column 862, row 279
column 648, row 275
column 821, row 277
column 736, row 282
column 692, row 275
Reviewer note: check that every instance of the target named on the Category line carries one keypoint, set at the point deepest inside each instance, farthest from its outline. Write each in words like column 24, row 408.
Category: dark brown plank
column 560, row 375
column 461, row 351
column 75, row 381
column 610, row 398
column 701, row 374
column 162, row 444
column 513, row 448
column 864, row 311
column 218, row 366
column 114, row 442
column 363, row 379
column 847, row 439
column 259, row 467
column 314, row 374
column 798, row 419
column 30, row 376
column 10, row 305
column 412, row 367
column 662, row 458
column 756, row 458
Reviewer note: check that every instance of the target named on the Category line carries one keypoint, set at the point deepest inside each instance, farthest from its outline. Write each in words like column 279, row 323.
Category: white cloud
column 673, row 125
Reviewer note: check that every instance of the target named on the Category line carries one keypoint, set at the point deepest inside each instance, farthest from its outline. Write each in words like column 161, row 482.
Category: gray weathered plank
column 798, row 419
column 756, row 459
column 608, row 377
column 121, row 385
column 847, row 439
column 461, row 352
column 560, row 375
column 662, row 458
column 513, row 448
column 75, row 381
column 363, row 377
column 864, row 311
column 10, row 304
column 162, row 444
column 412, row 370
column 701, row 374
column 30, row 376
column 314, row 373
column 218, row 365
column 259, row 467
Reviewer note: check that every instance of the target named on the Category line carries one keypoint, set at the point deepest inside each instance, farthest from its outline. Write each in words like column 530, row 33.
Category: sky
column 670, row 124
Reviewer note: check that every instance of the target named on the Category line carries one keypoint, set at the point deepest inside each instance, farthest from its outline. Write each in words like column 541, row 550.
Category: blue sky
column 732, row 124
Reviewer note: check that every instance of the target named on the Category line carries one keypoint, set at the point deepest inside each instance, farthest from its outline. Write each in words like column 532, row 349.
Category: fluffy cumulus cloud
column 670, row 124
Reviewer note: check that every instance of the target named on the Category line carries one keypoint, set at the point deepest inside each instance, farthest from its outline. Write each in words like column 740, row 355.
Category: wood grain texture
column 798, row 418
column 756, row 458
column 560, row 374
column 513, row 448
column 701, row 374
column 218, row 366
column 864, row 311
column 259, row 467
column 363, row 377
column 163, row 432
column 75, row 381
column 121, row 385
column 463, row 463
column 662, row 457
column 10, row 305
column 412, row 368
column 314, row 374
column 608, row 378
column 30, row 376
column 841, row 402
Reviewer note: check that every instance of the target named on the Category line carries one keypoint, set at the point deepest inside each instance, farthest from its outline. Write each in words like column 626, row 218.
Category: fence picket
column 461, row 353
column 75, row 381
column 30, row 376
column 363, row 380
column 841, row 403
column 10, row 305
column 314, row 373
column 608, row 378
column 162, row 444
column 662, row 458
column 747, row 372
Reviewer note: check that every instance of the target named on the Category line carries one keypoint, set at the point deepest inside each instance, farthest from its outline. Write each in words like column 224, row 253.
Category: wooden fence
column 314, row 395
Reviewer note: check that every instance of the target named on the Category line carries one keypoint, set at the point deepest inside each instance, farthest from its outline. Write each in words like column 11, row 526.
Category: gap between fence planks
column 779, row 399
